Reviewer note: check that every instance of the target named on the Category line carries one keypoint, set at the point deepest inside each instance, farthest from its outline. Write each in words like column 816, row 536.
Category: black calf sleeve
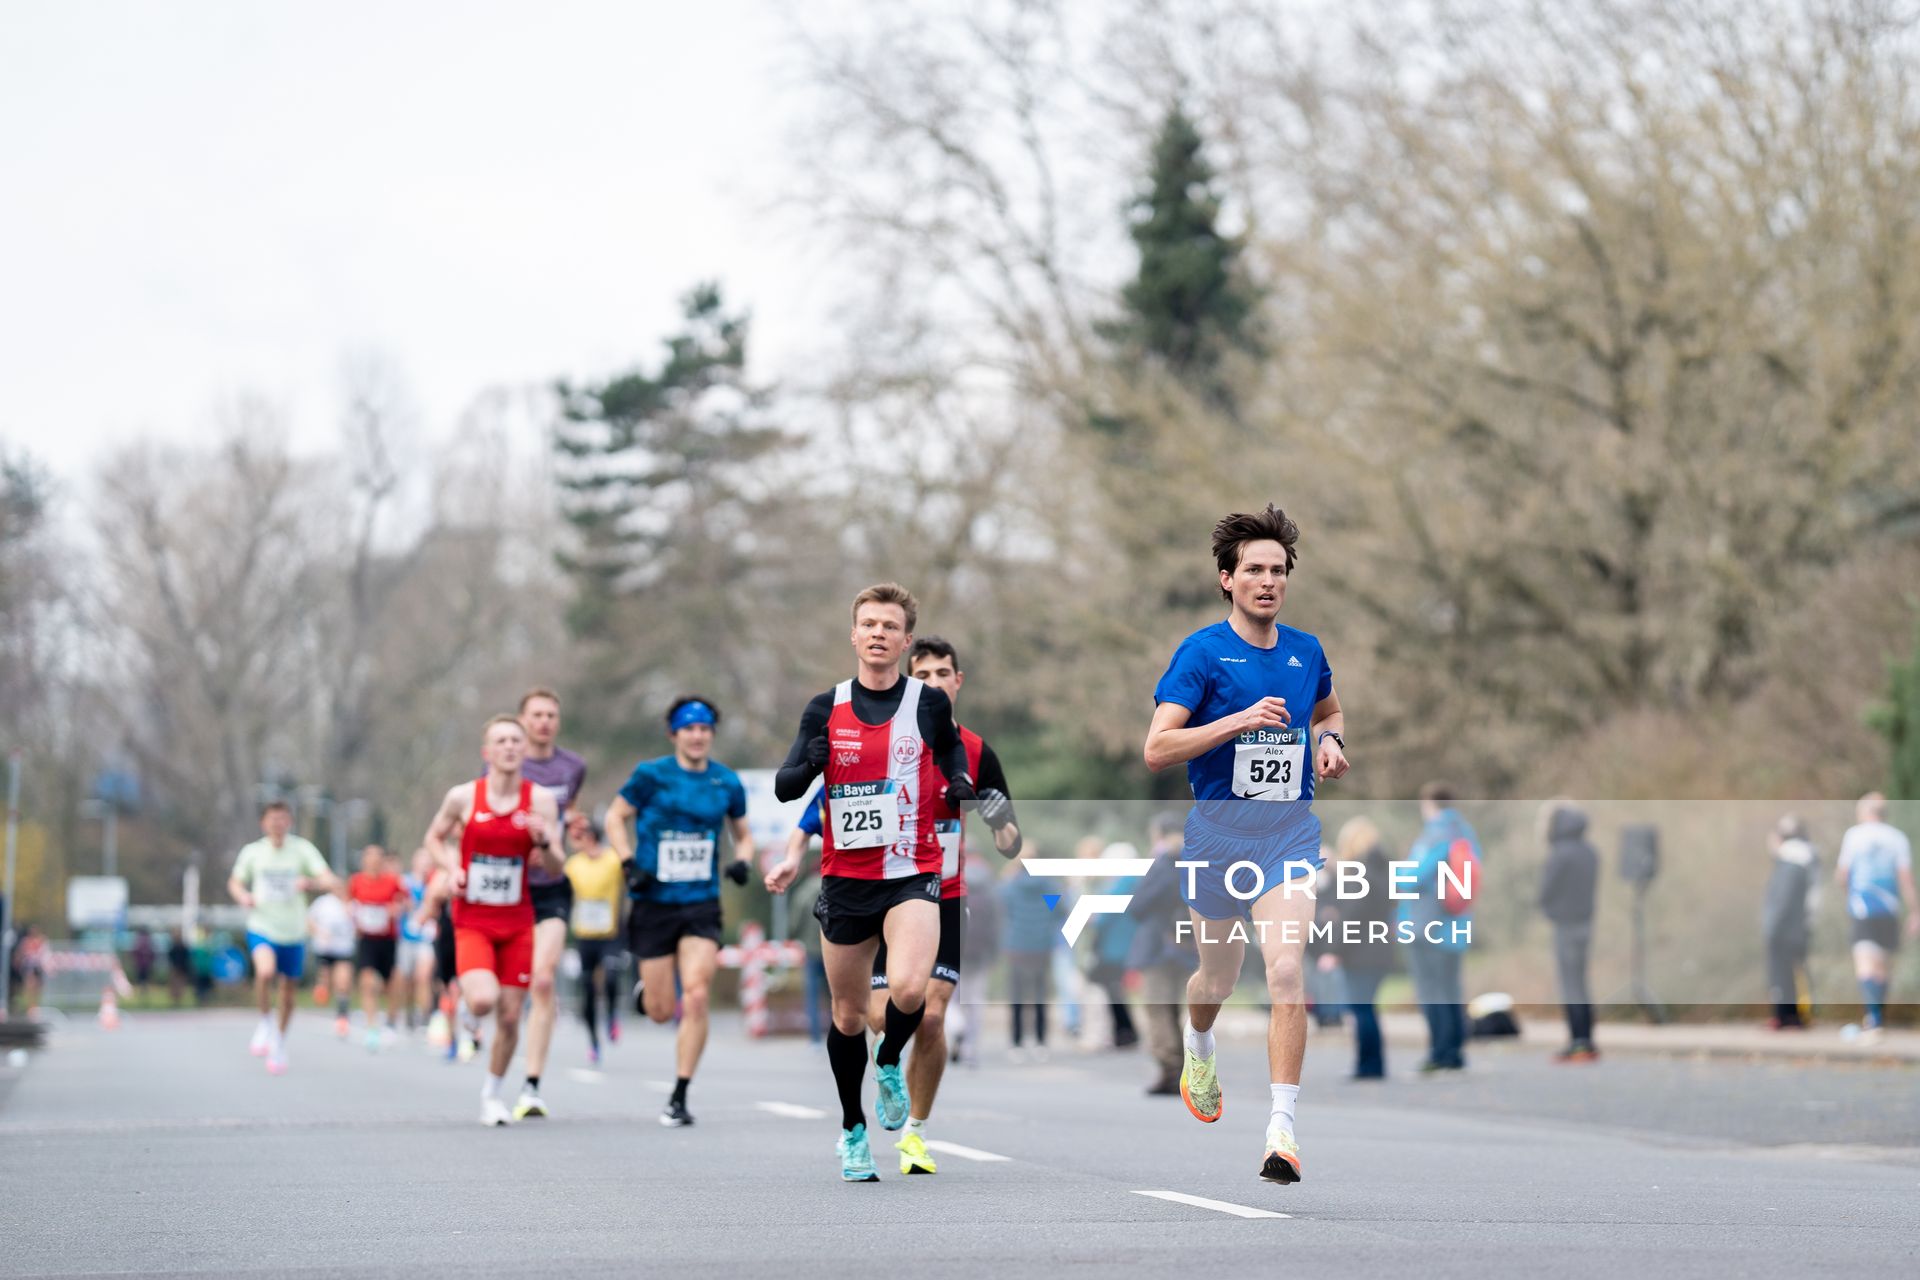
column 900, row 1029
column 848, row 1057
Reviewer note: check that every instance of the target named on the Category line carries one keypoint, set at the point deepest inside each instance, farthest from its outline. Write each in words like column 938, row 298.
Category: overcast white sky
column 206, row 197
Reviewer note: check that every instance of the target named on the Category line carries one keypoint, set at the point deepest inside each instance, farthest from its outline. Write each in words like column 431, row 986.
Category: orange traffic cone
column 109, row 1009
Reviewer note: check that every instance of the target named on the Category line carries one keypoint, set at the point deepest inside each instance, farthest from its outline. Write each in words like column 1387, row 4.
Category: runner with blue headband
column 666, row 826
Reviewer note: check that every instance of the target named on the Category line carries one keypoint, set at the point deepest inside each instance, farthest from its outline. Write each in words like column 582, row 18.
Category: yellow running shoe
column 1200, row 1088
column 913, row 1154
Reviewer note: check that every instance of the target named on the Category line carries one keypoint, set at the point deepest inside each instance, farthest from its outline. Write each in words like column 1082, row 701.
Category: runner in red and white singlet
column 890, row 752
column 936, row 662
column 506, row 827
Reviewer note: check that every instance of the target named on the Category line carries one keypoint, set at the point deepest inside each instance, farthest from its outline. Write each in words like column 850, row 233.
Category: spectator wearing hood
column 1786, row 922
column 1567, row 887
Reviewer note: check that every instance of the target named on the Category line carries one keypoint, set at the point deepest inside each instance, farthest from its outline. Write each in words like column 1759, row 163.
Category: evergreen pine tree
column 1189, row 302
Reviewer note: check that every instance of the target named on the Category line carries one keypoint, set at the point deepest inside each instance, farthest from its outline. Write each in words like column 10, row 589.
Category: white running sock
column 917, row 1126
column 1284, row 1096
column 492, row 1087
column 1200, row 1043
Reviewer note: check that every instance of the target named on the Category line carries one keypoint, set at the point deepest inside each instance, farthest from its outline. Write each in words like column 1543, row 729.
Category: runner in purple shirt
column 563, row 773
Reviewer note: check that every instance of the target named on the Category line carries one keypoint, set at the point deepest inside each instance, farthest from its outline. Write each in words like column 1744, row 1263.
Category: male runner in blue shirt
column 678, row 805
column 1230, row 707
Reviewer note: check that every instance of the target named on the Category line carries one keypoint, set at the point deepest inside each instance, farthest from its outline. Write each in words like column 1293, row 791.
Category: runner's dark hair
column 1235, row 531
column 933, row 646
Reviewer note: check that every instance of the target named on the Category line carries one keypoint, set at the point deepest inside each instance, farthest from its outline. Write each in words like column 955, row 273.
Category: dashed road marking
column 965, row 1153
column 1218, row 1206
column 792, row 1110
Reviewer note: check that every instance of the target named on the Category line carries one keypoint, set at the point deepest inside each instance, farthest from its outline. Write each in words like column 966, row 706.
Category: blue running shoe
column 856, row 1158
column 890, row 1097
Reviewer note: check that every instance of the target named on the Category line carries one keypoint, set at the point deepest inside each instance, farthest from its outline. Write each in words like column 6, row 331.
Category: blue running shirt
column 1263, row 783
column 677, row 820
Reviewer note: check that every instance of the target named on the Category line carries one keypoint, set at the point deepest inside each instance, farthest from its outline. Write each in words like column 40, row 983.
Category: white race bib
column 494, row 882
column 865, row 815
column 684, row 856
column 592, row 916
column 1267, row 764
column 372, row 919
column 274, row 884
column 948, row 831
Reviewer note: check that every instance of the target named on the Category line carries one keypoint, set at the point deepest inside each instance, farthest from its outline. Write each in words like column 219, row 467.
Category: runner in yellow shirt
column 599, row 887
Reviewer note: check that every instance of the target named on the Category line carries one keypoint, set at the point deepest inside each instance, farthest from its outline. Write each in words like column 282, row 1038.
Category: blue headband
column 691, row 713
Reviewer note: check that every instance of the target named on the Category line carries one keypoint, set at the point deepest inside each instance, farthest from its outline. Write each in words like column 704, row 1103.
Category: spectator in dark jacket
column 1164, row 961
column 1786, row 916
column 1567, row 886
column 1364, row 942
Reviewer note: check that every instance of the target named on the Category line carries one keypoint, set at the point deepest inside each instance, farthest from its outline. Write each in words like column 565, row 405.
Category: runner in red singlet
column 504, row 823
column 891, row 755
column 935, row 661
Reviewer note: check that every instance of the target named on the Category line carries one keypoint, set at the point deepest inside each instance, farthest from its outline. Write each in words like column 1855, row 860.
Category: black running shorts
column 851, row 911
column 946, row 961
column 654, row 929
column 376, row 954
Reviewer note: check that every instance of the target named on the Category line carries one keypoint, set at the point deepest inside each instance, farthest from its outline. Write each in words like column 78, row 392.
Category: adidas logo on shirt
column 1292, row 661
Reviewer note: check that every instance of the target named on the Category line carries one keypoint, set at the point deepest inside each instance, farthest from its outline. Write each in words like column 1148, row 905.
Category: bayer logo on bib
column 1268, row 764
column 865, row 815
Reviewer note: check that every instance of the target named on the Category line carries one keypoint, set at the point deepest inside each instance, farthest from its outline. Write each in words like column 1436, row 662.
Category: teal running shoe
column 890, row 1096
column 856, row 1158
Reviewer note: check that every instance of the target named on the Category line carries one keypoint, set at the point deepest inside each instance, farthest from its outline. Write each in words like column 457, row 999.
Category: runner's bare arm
column 439, row 889
column 1170, row 742
column 620, row 828
column 1328, row 756
column 550, row 841
column 446, row 825
column 237, row 890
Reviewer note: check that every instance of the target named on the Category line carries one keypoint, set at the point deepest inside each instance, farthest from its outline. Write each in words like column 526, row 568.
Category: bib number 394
column 865, row 815
column 494, row 882
column 1268, row 763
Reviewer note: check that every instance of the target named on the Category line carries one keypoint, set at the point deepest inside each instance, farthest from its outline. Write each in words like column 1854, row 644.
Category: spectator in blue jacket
column 1028, row 933
column 1441, row 925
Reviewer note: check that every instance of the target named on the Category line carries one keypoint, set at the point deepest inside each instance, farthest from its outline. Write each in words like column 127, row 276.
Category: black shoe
column 675, row 1115
column 1163, row 1087
column 639, row 1002
column 1125, row 1039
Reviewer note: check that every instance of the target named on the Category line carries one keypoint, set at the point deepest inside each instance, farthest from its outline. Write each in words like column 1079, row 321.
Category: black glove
column 737, row 871
column 996, row 810
column 639, row 879
column 817, row 752
column 960, row 793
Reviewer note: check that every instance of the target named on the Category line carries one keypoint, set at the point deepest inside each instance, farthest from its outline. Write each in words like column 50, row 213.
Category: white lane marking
column 965, row 1153
column 792, row 1110
column 585, row 1076
column 1221, row 1206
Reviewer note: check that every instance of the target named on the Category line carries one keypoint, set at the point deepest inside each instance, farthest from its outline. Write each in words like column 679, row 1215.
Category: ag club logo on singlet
column 906, row 750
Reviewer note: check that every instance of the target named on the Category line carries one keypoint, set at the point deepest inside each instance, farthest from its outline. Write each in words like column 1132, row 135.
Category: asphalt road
column 163, row 1147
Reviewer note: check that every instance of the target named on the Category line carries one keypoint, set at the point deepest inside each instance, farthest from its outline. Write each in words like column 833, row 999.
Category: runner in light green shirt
column 271, row 879
column 277, row 877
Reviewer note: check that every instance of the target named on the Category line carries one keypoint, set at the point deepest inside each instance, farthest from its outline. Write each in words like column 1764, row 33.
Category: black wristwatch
column 1335, row 735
